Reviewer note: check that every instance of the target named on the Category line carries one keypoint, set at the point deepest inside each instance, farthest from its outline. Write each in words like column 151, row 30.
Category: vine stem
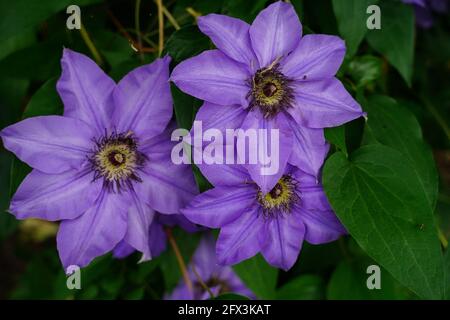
column 137, row 26
column 90, row 44
column 160, row 26
column 180, row 260
column 201, row 282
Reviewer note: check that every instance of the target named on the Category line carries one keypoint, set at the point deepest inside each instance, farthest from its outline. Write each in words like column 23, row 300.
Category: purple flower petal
column 165, row 187
column 275, row 32
column 220, row 206
column 140, row 217
column 122, row 250
column 95, row 232
column 255, row 120
column 309, row 148
column 230, row 35
column 143, row 101
column 85, row 90
column 54, row 196
column 204, row 258
column 214, row 116
column 323, row 103
column 320, row 226
column 316, row 57
column 213, row 77
column 283, row 239
column 239, row 240
column 51, row 144
column 157, row 238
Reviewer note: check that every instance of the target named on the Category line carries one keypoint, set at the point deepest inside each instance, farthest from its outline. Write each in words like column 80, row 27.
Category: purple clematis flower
column 217, row 278
column 103, row 167
column 424, row 10
column 266, row 75
column 275, row 223
column 157, row 237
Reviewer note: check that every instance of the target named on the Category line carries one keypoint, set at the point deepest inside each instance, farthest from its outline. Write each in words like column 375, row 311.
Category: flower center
column 117, row 160
column 280, row 198
column 270, row 91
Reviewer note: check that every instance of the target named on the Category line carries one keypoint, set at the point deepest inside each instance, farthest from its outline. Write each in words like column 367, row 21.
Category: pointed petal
column 325, row 103
column 239, row 240
column 230, row 35
column 85, row 90
column 267, row 171
column 316, row 57
column 51, row 144
column 309, row 147
column 213, row 77
column 143, row 101
column 283, row 240
column 140, row 217
column 95, row 232
column 122, row 250
column 275, row 32
column 321, row 226
column 55, row 196
column 219, row 206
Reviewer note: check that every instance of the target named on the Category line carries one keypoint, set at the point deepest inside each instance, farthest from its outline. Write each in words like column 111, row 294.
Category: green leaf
column 45, row 101
column 351, row 17
column 336, row 136
column 393, row 125
column 365, row 70
column 395, row 39
column 23, row 15
column 259, row 276
column 230, row 296
column 186, row 42
column 381, row 201
column 244, row 10
column 305, row 287
column 185, row 107
column 447, row 274
column 349, row 282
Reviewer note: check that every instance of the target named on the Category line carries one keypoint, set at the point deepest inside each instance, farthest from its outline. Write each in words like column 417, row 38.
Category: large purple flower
column 218, row 279
column 266, row 75
column 103, row 167
column 275, row 223
column 157, row 237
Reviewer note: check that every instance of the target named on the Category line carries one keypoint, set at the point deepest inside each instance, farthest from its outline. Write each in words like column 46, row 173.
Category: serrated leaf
column 395, row 39
column 381, row 201
column 258, row 276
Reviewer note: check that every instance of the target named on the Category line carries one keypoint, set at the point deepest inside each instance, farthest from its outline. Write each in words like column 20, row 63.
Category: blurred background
column 123, row 34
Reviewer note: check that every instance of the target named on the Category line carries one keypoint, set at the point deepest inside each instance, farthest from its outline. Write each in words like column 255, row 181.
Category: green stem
column 87, row 40
column 137, row 26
